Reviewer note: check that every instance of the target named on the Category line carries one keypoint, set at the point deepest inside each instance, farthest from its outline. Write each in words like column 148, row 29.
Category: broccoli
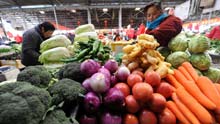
column 56, row 117
column 22, row 103
column 65, row 90
column 36, row 75
column 72, row 71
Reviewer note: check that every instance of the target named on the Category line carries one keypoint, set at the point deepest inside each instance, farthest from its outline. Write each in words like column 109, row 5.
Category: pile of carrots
column 196, row 99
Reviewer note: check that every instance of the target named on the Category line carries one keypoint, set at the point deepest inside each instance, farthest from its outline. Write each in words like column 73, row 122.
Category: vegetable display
column 94, row 49
column 143, row 55
column 198, row 44
column 53, row 42
column 201, row 61
column 179, row 43
column 195, row 98
column 93, row 88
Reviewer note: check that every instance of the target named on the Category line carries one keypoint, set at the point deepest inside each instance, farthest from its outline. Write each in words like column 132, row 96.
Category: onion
column 89, row 67
column 86, row 84
column 88, row 120
column 111, row 65
column 99, row 83
column 91, row 102
column 123, row 73
column 107, row 74
column 108, row 118
column 113, row 80
column 114, row 99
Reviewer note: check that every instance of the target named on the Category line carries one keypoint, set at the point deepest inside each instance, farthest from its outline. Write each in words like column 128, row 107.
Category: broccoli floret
column 56, row 117
column 72, row 71
column 65, row 90
column 22, row 103
column 36, row 75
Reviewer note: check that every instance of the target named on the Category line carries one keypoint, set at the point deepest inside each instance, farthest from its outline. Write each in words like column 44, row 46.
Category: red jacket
column 169, row 28
column 215, row 33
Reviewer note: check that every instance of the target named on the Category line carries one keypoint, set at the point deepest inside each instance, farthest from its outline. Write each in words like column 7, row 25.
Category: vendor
column 32, row 39
column 161, row 25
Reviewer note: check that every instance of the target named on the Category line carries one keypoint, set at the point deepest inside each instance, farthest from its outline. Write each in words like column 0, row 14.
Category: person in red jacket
column 214, row 33
column 162, row 26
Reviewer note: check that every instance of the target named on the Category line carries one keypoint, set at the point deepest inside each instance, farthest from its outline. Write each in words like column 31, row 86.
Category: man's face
column 152, row 13
column 47, row 34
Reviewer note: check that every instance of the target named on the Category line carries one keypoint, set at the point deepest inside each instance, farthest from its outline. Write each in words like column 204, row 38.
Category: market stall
column 93, row 79
column 85, row 82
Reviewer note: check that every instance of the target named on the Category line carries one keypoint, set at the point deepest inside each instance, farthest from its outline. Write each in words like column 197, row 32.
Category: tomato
column 147, row 117
column 133, row 79
column 132, row 105
column 123, row 87
column 142, row 91
column 139, row 73
column 130, row 119
column 153, row 78
column 167, row 117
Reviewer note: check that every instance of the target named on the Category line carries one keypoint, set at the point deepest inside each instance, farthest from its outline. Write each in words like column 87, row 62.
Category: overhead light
column 105, row 10
column 73, row 10
column 41, row 12
column 137, row 9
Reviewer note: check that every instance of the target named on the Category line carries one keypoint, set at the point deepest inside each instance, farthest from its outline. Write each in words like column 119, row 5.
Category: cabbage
column 213, row 74
column 179, row 43
column 164, row 51
column 85, row 36
column 85, row 28
column 177, row 58
column 54, row 55
column 198, row 44
column 55, row 41
column 201, row 61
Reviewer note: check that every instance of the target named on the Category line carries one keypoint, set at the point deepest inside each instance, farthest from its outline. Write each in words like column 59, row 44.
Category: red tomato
column 167, row 117
column 130, row 119
column 142, row 91
column 147, row 117
column 139, row 73
column 124, row 88
column 132, row 105
column 153, row 78
column 133, row 79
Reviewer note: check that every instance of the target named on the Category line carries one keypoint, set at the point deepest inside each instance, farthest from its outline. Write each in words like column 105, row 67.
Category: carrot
column 209, row 89
column 171, row 79
column 179, row 77
column 188, row 114
column 190, row 70
column 190, row 102
column 217, row 86
column 194, row 90
column 185, row 73
column 179, row 115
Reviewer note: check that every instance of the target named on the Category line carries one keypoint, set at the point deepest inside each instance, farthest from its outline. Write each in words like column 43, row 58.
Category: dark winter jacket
column 168, row 28
column 32, row 39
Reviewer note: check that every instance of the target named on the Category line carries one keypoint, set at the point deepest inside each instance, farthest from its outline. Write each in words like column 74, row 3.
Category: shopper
column 162, row 26
column 32, row 39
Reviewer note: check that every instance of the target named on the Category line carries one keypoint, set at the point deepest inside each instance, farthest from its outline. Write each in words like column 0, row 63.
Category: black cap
column 153, row 3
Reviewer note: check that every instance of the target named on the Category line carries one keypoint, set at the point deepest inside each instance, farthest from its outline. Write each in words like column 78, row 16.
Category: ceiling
column 25, row 13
